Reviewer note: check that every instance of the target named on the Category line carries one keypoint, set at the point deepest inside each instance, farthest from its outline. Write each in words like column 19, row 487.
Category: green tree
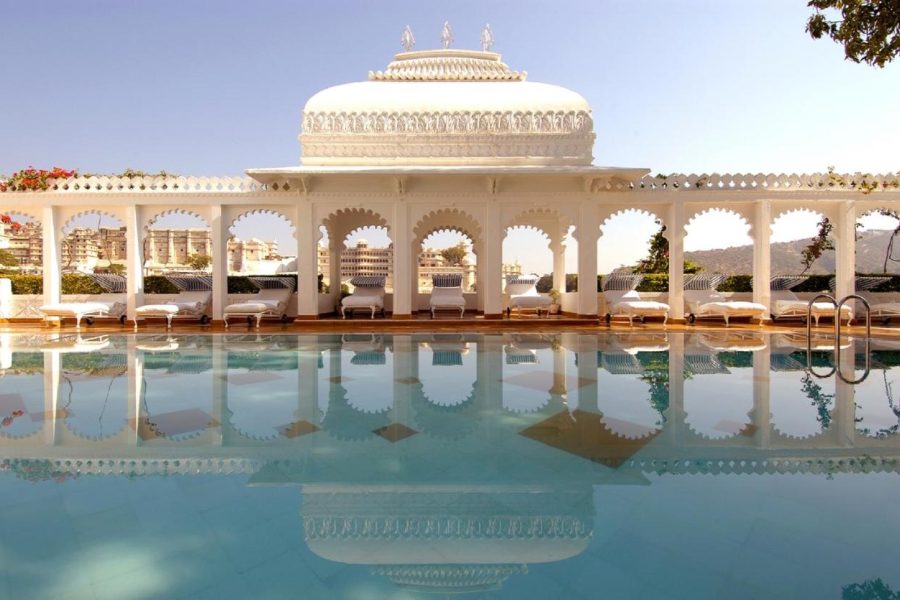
column 455, row 255
column 199, row 262
column 818, row 245
column 869, row 30
column 116, row 269
column 7, row 259
column 657, row 260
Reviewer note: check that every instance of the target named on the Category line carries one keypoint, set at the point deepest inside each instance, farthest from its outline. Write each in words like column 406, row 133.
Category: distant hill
column 786, row 257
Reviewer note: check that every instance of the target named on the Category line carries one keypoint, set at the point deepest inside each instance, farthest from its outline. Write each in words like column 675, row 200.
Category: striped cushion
column 191, row 283
column 782, row 282
column 114, row 284
column 621, row 281
column 273, row 283
column 371, row 281
column 446, row 358
column 522, row 279
column 446, row 280
column 703, row 281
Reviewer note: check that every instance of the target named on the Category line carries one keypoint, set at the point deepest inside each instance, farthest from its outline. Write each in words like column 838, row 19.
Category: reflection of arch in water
column 527, row 374
column 447, row 370
column 345, row 423
column 22, row 404
column 260, row 406
column 878, row 405
column 799, row 407
column 450, row 422
column 467, row 540
column 630, row 404
column 93, row 389
column 367, row 374
column 709, row 413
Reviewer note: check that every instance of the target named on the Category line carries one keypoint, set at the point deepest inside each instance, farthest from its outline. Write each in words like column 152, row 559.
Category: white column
column 492, row 273
column 401, row 236
column 51, row 255
column 308, row 379
column 52, row 372
column 675, row 235
column 559, row 265
column 845, row 249
column 762, row 261
column 219, row 237
column 588, row 233
column 334, row 270
column 307, row 262
column 762, row 411
column 134, row 256
column 588, row 392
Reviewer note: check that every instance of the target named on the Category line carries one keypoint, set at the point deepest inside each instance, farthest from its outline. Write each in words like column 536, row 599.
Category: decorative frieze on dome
column 466, row 123
column 447, row 65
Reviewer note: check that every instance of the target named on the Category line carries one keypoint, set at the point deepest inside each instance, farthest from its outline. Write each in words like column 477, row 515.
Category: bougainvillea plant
column 32, row 179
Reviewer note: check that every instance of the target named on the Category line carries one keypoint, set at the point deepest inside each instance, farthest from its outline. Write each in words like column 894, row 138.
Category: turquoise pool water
column 652, row 465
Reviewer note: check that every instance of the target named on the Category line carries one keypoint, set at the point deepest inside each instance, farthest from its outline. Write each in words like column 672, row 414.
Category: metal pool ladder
column 837, row 335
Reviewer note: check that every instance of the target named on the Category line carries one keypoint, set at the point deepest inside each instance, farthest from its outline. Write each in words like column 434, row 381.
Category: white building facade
column 451, row 140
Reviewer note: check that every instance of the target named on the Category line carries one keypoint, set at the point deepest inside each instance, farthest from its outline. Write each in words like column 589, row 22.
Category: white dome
column 447, row 107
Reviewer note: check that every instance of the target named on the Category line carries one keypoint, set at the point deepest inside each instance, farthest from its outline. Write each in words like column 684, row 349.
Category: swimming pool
column 653, row 465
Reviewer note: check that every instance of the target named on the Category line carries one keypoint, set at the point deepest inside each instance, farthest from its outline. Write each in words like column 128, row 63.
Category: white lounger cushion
column 530, row 301
column 157, row 309
column 630, row 303
column 884, row 309
column 449, row 297
column 708, row 303
column 783, row 308
column 786, row 304
column 72, row 309
column 365, row 297
column 244, row 308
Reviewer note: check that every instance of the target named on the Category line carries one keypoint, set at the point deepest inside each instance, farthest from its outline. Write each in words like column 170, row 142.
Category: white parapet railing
column 191, row 185
column 859, row 182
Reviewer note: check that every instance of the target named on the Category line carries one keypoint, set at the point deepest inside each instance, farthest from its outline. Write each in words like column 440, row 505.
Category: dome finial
column 487, row 38
column 407, row 39
column 446, row 35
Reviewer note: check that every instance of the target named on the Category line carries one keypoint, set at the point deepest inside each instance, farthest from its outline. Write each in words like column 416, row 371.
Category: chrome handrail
column 837, row 337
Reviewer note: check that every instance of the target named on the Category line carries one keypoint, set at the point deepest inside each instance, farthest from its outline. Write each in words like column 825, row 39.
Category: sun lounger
column 112, row 304
column 192, row 302
column 622, row 299
column 270, row 301
column 705, row 302
column 447, row 294
column 368, row 293
column 523, row 295
column 786, row 304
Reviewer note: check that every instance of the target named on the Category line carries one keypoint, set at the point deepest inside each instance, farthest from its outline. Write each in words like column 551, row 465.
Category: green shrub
column 654, row 282
column 737, row 283
column 157, row 284
column 815, row 283
column 23, row 284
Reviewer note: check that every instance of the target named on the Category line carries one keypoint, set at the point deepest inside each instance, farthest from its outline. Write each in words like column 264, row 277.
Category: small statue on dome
column 407, row 39
column 487, row 38
column 446, row 35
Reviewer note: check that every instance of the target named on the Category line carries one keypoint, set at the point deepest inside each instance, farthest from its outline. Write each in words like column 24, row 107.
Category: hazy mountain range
column 786, row 257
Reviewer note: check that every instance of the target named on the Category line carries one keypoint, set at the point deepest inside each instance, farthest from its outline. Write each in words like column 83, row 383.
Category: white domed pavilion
column 450, row 140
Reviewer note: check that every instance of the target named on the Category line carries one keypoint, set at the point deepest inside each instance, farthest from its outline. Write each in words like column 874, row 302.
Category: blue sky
column 212, row 88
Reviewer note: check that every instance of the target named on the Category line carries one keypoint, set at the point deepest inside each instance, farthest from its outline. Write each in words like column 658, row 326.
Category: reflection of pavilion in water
column 444, row 462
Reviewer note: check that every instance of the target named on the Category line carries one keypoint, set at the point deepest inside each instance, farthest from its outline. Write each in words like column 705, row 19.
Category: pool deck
column 329, row 324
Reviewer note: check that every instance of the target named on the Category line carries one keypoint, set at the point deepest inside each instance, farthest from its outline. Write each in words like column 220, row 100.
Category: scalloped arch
column 447, row 219
column 148, row 225
column 776, row 215
column 22, row 212
column 342, row 222
column 534, row 216
column 92, row 211
column 261, row 211
column 745, row 219
column 631, row 211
